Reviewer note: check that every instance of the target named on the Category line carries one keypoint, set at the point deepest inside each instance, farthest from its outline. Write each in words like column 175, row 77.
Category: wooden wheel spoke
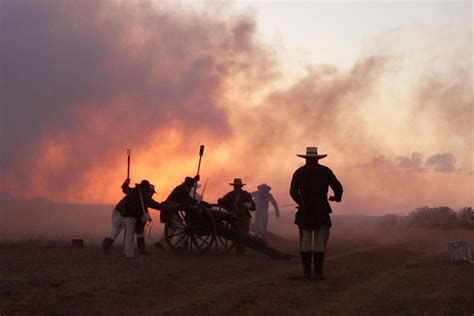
column 191, row 242
column 222, row 240
column 180, row 239
column 177, row 234
column 193, row 231
column 205, row 240
column 177, row 226
column 181, row 216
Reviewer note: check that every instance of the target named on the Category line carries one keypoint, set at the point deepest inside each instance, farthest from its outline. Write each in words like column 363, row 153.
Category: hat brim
column 238, row 184
column 312, row 156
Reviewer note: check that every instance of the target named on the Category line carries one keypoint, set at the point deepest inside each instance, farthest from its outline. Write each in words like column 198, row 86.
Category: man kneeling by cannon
column 179, row 198
column 241, row 203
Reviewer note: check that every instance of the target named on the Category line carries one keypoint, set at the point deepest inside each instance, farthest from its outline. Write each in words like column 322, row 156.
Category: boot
column 141, row 245
column 107, row 244
column 318, row 265
column 306, row 259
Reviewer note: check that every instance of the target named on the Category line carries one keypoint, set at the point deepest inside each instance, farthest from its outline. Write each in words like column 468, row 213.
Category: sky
column 384, row 88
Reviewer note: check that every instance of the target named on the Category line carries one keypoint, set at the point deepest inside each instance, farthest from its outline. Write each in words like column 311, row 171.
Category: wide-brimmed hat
column 189, row 181
column 237, row 181
column 264, row 186
column 312, row 152
column 144, row 185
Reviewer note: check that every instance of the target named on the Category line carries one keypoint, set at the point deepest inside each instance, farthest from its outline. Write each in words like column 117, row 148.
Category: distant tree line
column 441, row 217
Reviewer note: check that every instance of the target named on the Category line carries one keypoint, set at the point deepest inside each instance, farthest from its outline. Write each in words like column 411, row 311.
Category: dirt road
column 405, row 274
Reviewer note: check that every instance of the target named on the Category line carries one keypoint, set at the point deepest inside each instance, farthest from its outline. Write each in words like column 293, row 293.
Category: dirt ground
column 401, row 273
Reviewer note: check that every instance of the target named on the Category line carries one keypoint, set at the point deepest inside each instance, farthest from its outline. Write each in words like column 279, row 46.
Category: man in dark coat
column 309, row 189
column 263, row 198
column 133, row 208
column 180, row 195
column 241, row 203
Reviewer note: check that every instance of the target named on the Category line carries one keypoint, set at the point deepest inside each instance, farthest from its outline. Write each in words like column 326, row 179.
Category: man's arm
column 155, row 205
column 225, row 200
column 250, row 200
column 294, row 190
column 336, row 187
column 275, row 206
column 126, row 186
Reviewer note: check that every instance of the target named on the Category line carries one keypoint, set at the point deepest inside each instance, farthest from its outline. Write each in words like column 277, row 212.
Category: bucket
column 459, row 251
column 77, row 243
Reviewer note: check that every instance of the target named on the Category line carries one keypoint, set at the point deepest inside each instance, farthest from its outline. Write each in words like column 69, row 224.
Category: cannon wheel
column 190, row 232
column 222, row 245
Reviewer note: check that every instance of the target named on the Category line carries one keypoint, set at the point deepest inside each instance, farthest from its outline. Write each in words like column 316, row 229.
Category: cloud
column 413, row 162
column 445, row 162
column 380, row 161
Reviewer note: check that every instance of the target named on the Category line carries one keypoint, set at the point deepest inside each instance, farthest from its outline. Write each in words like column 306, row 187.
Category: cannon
column 210, row 229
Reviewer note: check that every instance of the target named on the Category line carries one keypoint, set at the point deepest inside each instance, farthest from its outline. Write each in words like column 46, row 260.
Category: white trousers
column 314, row 240
column 129, row 246
column 128, row 223
column 118, row 224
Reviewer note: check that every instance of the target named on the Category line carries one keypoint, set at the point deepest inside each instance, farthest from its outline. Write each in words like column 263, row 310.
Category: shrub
column 433, row 217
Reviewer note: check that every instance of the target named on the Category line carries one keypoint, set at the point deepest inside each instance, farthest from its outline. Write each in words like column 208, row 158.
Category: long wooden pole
column 129, row 152
column 201, row 153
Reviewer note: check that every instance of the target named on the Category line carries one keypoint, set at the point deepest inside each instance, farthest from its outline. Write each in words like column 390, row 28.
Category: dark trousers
column 140, row 228
column 242, row 226
column 261, row 222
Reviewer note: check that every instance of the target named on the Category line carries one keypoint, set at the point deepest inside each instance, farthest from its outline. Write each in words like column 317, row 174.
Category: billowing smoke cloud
column 321, row 106
column 321, row 109
column 448, row 103
column 86, row 79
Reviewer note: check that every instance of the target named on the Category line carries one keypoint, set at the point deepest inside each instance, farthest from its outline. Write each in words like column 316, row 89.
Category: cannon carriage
column 210, row 229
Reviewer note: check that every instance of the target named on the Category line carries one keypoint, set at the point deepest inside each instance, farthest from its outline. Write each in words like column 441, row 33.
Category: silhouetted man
column 181, row 195
column 309, row 189
column 263, row 198
column 140, row 226
column 132, row 208
column 241, row 203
